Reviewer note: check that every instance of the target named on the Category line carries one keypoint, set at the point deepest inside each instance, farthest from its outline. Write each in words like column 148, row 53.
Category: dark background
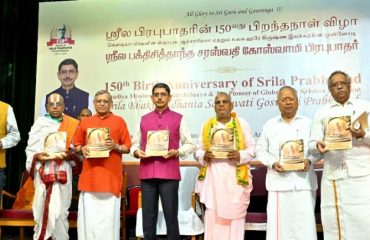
column 18, row 56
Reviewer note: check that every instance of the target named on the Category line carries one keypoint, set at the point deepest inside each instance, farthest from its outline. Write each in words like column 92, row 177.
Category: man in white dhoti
column 101, row 178
column 52, row 172
column 291, row 194
column 224, row 183
column 345, row 198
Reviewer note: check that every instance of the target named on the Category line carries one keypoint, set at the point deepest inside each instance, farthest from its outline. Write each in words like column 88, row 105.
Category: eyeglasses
column 218, row 102
column 100, row 101
column 339, row 83
column 286, row 100
column 162, row 94
column 55, row 104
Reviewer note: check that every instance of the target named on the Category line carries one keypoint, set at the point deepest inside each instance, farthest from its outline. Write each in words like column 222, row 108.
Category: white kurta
column 345, row 200
column 60, row 200
column 291, row 197
column 12, row 137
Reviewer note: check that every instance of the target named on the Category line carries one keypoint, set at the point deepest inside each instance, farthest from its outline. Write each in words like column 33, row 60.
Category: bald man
column 48, row 162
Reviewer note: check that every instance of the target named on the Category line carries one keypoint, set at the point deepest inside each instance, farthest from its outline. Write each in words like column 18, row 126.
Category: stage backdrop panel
column 248, row 49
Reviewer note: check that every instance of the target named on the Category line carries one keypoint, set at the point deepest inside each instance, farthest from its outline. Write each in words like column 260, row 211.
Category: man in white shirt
column 9, row 135
column 345, row 200
column 291, row 194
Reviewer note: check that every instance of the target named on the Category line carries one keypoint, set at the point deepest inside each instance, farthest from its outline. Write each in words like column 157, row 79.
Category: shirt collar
column 105, row 116
column 163, row 112
column 349, row 102
column 296, row 117
column 57, row 120
column 70, row 90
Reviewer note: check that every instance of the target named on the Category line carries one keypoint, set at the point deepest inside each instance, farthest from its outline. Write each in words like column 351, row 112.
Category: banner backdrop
column 247, row 48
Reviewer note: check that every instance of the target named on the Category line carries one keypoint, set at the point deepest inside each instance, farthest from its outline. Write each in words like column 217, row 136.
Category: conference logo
column 60, row 39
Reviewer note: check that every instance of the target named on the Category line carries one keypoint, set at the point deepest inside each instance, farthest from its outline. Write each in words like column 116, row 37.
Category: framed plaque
column 55, row 143
column 337, row 133
column 157, row 143
column 96, row 138
column 222, row 142
column 292, row 155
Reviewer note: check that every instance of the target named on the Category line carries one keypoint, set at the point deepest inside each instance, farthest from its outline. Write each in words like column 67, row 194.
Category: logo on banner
column 60, row 39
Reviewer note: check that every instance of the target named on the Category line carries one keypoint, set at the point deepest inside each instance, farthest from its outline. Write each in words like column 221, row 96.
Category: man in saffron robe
column 101, row 179
column 160, row 175
column 224, row 183
column 52, row 173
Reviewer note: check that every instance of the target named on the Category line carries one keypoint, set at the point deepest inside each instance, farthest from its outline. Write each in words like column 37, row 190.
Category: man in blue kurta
column 75, row 99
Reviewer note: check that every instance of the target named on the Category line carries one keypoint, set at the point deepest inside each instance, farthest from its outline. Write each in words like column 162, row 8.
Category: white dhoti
column 345, row 208
column 290, row 215
column 98, row 216
column 60, row 201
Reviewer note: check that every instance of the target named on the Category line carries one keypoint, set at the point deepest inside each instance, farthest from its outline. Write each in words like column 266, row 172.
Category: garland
column 242, row 171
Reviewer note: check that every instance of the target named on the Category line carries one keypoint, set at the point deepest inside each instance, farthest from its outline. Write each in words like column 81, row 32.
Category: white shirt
column 276, row 131
column 12, row 137
column 341, row 163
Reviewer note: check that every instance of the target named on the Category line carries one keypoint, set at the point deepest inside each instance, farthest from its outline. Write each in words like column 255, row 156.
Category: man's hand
column 208, row 156
column 234, row 156
column 109, row 143
column 321, row 146
column 278, row 167
column 357, row 133
column 307, row 164
column 172, row 153
column 140, row 154
column 85, row 151
column 43, row 156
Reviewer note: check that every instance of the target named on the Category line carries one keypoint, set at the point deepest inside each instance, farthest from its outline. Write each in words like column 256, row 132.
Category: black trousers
column 168, row 191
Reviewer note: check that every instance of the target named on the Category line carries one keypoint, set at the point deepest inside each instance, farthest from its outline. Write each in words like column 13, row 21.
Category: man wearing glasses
column 75, row 99
column 160, row 174
column 345, row 200
column 101, row 178
column 224, row 148
column 49, row 164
